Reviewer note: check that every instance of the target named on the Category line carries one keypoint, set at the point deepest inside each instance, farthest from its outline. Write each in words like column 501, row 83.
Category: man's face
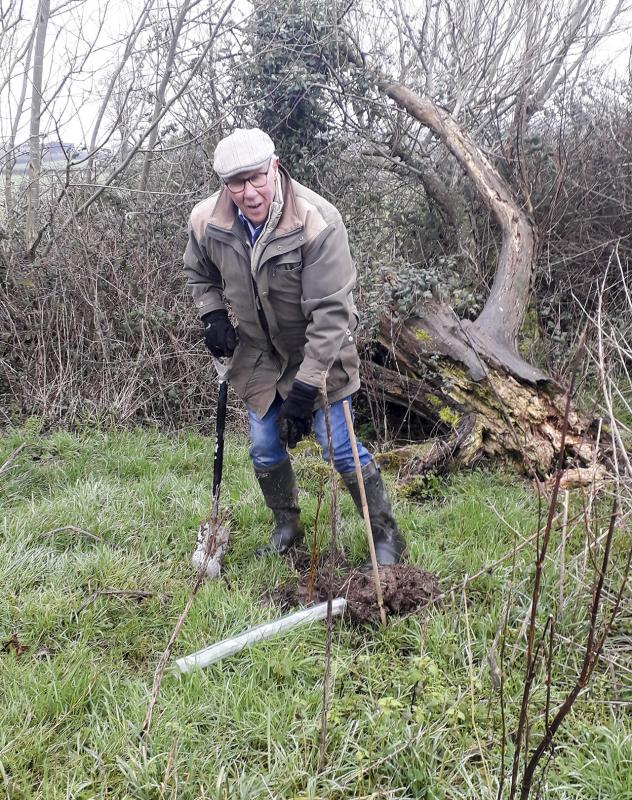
column 255, row 201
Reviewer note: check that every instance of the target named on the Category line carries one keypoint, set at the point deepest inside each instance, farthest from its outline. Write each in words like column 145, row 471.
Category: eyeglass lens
column 257, row 181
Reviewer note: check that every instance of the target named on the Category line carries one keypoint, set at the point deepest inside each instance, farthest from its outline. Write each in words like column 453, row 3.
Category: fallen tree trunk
column 467, row 378
column 476, row 406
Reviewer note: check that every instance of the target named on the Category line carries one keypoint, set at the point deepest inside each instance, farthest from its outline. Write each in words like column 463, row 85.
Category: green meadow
column 96, row 530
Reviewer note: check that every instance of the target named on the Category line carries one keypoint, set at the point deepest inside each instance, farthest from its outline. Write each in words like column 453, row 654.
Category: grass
column 413, row 710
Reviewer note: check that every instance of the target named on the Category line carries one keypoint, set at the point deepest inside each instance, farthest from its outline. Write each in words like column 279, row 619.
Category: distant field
column 20, row 170
column 51, row 170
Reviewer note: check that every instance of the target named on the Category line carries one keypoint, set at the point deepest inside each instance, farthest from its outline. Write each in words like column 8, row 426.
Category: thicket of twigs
column 595, row 579
column 98, row 326
column 100, row 330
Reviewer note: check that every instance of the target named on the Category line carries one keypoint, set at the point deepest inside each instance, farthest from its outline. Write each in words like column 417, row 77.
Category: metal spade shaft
column 218, row 457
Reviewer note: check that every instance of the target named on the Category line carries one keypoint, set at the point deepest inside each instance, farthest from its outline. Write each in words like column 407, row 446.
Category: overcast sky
column 75, row 30
column 80, row 23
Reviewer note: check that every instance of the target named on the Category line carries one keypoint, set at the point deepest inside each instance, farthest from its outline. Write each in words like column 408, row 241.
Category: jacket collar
column 225, row 212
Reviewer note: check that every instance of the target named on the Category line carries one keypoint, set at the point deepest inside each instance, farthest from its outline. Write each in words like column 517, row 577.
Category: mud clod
column 405, row 589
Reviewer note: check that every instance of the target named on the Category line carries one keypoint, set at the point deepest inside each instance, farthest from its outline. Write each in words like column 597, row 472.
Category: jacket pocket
column 245, row 361
column 288, row 262
column 345, row 370
column 285, row 289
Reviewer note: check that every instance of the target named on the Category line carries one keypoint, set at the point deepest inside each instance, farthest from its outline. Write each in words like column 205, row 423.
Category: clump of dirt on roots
column 405, row 589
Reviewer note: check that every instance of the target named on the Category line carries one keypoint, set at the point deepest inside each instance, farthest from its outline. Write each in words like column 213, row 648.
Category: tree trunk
column 35, row 147
column 15, row 126
column 449, row 204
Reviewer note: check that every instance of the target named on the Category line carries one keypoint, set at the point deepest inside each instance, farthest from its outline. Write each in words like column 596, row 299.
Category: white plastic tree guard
column 228, row 647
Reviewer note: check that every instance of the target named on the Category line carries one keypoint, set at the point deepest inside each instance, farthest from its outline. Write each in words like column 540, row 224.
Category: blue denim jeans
column 266, row 449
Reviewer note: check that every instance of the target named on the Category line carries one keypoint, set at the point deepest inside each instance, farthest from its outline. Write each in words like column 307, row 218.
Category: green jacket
column 291, row 293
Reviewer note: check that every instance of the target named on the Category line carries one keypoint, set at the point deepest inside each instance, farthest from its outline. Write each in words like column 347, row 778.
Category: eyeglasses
column 258, row 180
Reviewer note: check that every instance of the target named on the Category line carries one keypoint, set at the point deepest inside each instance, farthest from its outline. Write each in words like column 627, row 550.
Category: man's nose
column 250, row 193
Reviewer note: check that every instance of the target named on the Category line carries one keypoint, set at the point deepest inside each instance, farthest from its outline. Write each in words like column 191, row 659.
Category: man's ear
column 275, row 164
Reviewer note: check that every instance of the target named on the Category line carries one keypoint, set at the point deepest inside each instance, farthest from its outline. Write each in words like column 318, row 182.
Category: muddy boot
column 278, row 486
column 389, row 542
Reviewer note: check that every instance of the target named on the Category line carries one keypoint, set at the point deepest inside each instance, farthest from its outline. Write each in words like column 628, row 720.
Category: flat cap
column 244, row 150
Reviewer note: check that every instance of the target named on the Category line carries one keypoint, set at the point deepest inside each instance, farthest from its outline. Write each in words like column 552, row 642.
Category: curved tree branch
column 506, row 305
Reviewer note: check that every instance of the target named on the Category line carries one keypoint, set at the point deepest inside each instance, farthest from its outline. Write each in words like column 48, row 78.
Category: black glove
column 295, row 415
column 219, row 335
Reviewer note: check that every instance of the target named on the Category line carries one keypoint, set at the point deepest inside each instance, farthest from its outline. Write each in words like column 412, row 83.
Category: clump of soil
column 404, row 588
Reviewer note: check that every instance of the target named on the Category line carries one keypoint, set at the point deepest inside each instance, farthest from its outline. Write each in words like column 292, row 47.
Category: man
column 277, row 255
